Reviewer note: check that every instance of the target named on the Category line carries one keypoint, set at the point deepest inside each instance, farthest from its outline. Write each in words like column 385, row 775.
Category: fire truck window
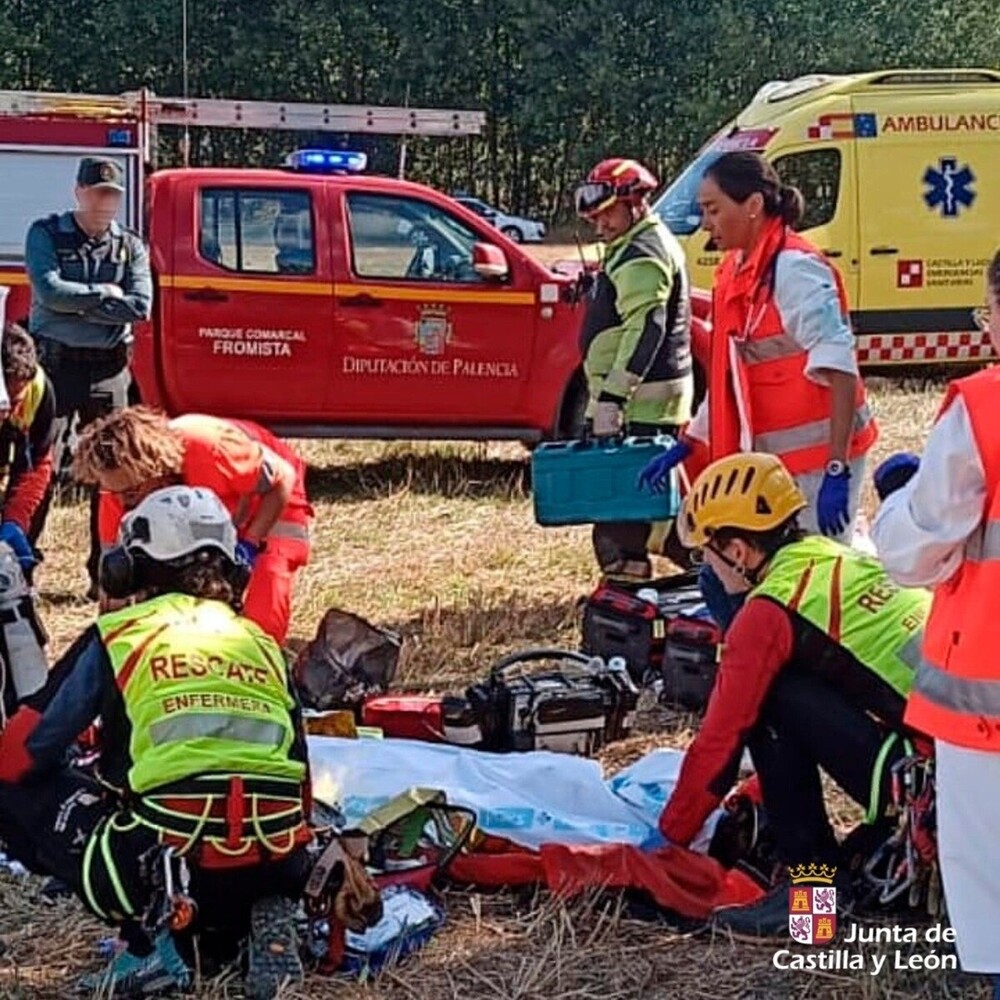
column 816, row 174
column 407, row 239
column 255, row 231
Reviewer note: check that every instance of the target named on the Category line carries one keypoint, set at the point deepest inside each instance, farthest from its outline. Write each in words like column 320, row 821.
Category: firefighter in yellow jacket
column 636, row 335
column 203, row 738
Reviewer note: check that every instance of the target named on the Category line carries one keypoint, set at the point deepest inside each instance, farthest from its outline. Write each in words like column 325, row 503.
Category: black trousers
column 88, row 384
column 48, row 824
column 807, row 725
column 622, row 548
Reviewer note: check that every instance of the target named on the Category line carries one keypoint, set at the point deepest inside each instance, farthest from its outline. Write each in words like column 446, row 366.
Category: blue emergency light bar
column 327, row 161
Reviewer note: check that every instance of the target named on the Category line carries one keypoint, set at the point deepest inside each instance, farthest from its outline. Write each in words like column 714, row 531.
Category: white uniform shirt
column 921, row 530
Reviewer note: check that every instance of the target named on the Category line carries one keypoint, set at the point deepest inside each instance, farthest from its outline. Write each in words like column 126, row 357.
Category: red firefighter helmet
column 611, row 181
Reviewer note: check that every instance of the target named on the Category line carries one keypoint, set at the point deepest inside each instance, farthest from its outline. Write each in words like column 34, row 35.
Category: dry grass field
column 439, row 542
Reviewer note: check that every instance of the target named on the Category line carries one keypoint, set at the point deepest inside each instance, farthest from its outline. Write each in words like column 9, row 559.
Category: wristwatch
column 837, row 468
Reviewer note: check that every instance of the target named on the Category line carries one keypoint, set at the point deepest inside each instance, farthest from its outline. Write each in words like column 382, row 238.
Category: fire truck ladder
column 144, row 106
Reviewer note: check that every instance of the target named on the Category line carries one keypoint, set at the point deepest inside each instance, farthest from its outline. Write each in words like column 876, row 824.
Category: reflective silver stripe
column 910, row 653
column 781, row 345
column 811, row 435
column 269, row 466
column 958, row 694
column 210, row 725
column 288, row 529
column 984, row 545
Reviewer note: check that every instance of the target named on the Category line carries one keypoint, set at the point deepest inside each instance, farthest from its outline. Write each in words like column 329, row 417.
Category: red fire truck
column 315, row 299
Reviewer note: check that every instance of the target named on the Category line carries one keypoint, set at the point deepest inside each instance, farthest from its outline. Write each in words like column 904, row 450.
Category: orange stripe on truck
column 284, row 286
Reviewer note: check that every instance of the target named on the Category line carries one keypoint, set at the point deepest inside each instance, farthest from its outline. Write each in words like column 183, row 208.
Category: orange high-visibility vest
column 956, row 695
column 788, row 414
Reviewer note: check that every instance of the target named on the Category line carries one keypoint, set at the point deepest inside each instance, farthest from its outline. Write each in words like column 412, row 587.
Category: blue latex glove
column 654, row 842
column 832, row 503
column 656, row 476
column 18, row 541
column 247, row 552
column 896, row 471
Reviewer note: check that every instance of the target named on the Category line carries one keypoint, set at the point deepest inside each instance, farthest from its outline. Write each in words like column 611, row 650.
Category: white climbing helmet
column 177, row 521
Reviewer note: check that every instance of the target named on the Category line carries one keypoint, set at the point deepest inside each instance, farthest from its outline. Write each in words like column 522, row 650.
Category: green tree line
column 563, row 83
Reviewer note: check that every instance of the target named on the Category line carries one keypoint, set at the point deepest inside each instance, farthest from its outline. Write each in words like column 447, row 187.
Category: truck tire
column 574, row 411
column 513, row 233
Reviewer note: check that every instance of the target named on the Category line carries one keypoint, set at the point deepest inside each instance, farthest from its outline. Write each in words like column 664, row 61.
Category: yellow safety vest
column 205, row 691
column 22, row 416
column 850, row 597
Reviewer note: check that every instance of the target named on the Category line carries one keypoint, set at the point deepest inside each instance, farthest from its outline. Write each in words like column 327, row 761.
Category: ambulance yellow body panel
column 901, row 174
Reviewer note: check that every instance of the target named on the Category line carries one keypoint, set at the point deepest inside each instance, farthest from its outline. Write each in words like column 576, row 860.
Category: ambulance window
column 407, row 239
column 257, row 231
column 816, row 174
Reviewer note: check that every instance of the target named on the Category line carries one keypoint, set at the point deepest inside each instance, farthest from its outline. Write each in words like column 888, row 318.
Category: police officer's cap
column 96, row 171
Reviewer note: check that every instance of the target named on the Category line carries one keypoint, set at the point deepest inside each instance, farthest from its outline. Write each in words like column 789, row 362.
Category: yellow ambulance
column 901, row 174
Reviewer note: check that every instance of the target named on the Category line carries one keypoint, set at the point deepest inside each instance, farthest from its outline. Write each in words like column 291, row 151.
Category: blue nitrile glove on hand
column 656, row 476
column 247, row 552
column 15, row 537
column 895, row 472
column 833, row 502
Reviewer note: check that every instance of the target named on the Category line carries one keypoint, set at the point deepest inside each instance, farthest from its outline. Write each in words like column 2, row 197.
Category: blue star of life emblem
column 949, row 188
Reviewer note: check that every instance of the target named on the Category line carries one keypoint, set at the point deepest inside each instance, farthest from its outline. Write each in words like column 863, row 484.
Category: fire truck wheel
column 574, row 412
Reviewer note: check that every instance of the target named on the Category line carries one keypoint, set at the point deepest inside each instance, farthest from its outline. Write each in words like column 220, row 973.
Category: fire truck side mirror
column 489, row 262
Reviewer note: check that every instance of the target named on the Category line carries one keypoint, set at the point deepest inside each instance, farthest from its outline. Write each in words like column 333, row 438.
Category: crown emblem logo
column 433, row 329
column 812, row 873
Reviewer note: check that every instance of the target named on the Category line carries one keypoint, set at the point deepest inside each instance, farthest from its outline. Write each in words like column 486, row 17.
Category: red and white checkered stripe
column 915, row 348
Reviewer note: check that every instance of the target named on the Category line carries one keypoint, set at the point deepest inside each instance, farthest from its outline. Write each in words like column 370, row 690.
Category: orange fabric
column 775, row 392
column 961, row 634
column 690, row 884
column 677, row 879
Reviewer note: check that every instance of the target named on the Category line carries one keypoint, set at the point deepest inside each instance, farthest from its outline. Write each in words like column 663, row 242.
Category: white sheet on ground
column 529, row 798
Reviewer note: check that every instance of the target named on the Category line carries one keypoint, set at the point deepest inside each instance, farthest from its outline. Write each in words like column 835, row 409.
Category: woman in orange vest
column 259, row 479
column 783, row 371
column 939, row 527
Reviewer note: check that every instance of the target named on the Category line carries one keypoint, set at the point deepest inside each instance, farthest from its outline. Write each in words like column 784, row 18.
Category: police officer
column 204, row 738
column 90, row 281
column 636, row 336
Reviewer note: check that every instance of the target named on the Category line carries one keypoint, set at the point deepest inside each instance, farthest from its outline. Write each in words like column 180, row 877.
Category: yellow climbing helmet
column 753, row 491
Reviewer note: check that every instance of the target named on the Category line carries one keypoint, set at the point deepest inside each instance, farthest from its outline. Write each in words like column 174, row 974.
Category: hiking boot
column 274, row 948
column 161, row 971
column 768, row 917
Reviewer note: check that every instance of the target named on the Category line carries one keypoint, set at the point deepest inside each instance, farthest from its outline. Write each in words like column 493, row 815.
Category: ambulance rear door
column 929, row 213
